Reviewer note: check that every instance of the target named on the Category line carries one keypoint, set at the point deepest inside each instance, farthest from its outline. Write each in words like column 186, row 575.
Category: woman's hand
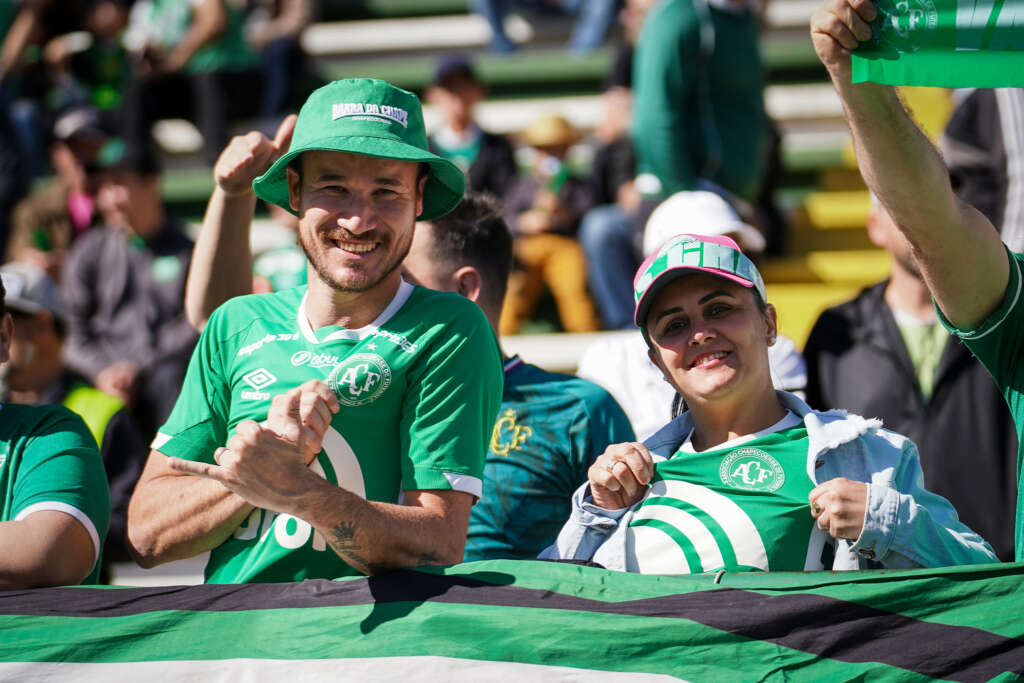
column 839, row 506
column 620, row 475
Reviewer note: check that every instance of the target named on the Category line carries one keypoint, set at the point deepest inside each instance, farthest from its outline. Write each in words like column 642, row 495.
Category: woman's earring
column 771, row 340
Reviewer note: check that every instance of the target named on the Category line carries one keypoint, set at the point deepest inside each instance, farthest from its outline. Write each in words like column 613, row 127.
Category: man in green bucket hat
column 338, row 427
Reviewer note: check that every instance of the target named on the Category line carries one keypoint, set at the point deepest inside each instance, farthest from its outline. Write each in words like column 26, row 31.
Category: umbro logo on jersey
column 259, row 379
column 751, row 469
column 360, row 379
column 318, row 360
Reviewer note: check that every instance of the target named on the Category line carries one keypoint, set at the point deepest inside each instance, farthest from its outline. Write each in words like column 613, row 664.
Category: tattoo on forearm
column 343, row 541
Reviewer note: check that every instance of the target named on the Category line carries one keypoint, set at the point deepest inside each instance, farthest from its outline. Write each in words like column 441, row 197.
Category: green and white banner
column 530, row 621
column 948, row 43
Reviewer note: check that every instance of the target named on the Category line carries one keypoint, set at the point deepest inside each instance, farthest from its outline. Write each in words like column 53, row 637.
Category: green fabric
column 998, row 343
column 947, row 43
column 549, row 430
column 370, row 117
column 925, row 344
column 169, row 21
column 418, row 390
column 95, row 407
column 462, row 155
column 49, row 460
column 698, row 113
column 742, row 508
column 503, row 620
column 284, row 267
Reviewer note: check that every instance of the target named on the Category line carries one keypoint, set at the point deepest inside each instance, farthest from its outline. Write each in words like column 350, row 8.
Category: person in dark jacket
column 884, row 354
column 487, row 159
column 124, row 283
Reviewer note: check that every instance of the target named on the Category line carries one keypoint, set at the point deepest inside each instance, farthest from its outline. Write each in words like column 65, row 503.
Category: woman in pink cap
column 749, row 478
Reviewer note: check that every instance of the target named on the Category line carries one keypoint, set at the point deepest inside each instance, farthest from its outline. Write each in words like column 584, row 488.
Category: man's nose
column 358, row 216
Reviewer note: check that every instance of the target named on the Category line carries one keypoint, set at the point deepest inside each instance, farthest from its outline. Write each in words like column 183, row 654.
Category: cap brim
column 443, row 191
column 643, row 307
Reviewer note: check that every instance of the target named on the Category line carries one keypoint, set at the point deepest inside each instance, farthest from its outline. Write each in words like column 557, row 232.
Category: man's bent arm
column 374, row 537
column 958, row 250
column 221, row 266
column 46, row 548
column 172, row 515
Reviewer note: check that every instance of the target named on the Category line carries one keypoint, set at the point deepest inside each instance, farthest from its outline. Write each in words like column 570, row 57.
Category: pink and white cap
column 684, row 254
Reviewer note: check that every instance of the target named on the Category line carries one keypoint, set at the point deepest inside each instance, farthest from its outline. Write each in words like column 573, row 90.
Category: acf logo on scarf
column 947, row 43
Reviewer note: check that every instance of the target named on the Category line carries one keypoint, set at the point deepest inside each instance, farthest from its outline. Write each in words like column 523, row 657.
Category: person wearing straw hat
column 339, row 427
column 543, row 209
column 749, row 478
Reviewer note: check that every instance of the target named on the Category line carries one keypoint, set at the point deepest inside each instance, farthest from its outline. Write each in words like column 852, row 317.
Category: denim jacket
column 905, row 525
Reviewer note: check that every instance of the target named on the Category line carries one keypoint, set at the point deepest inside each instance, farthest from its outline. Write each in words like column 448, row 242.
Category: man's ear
column 6, row 332
column 468, row 283
column 420, row 183
column 294, row 188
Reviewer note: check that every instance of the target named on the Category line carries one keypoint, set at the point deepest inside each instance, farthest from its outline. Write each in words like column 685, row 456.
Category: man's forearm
column 375, row 537
column 952, row 242
column 221, row 266
column 173, row 516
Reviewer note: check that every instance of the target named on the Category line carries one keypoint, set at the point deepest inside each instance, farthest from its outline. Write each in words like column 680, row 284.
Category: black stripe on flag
column 819, row 625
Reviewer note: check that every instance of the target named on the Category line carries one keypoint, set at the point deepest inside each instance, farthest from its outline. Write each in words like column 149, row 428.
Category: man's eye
column 386, row 194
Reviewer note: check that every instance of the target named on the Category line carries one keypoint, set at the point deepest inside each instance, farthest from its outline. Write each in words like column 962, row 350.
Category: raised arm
column 221, row 265
column 958, row 250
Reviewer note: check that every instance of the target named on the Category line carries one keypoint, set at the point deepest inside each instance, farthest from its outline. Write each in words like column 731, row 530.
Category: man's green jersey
column 419, row 389
column 742, row 506
column 49, row 461
column 998, row 343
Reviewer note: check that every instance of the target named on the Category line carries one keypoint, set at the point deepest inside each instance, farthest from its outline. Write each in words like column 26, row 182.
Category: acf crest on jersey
column 360, row 379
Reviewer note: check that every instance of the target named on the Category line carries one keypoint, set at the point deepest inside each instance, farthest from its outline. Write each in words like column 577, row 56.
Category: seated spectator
column 609, row 241
column 550, row 427
column 191, row 61
column 48, row 221
column 487, row 159
column 595, row 16
column 35, row 375
column 543, row 209
column 731, row 478
column 27, row 83
column 621, row 363
column 886, row 354
column 274, row 30
column 54, row 506
column 124, row 284
column 94, row 70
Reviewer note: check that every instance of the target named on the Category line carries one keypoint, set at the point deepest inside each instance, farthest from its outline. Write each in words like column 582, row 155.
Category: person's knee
column 603, row 226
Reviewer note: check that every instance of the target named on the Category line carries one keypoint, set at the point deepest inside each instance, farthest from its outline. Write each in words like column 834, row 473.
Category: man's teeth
column 357, row 247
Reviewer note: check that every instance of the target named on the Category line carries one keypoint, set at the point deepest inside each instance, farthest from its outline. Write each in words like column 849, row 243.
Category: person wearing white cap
column 619, row 362
column 726, row 485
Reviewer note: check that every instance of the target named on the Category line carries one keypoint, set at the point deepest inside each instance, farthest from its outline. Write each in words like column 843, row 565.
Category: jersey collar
column 404, row 292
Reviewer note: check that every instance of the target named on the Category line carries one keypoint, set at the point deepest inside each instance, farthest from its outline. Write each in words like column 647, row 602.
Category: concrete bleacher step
column 430, row 30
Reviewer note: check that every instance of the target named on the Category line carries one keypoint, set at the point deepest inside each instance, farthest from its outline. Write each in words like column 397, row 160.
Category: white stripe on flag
column 427, row 669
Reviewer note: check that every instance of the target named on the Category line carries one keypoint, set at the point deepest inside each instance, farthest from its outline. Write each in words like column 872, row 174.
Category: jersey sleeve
column 999, row 341
column 61, row 469
column 449, row 408
column 198, row 423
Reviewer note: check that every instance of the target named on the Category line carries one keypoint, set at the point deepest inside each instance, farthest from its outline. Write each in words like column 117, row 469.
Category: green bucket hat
column 371, row 117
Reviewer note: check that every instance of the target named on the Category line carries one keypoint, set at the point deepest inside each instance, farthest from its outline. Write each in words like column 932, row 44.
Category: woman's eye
column 719, row 309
